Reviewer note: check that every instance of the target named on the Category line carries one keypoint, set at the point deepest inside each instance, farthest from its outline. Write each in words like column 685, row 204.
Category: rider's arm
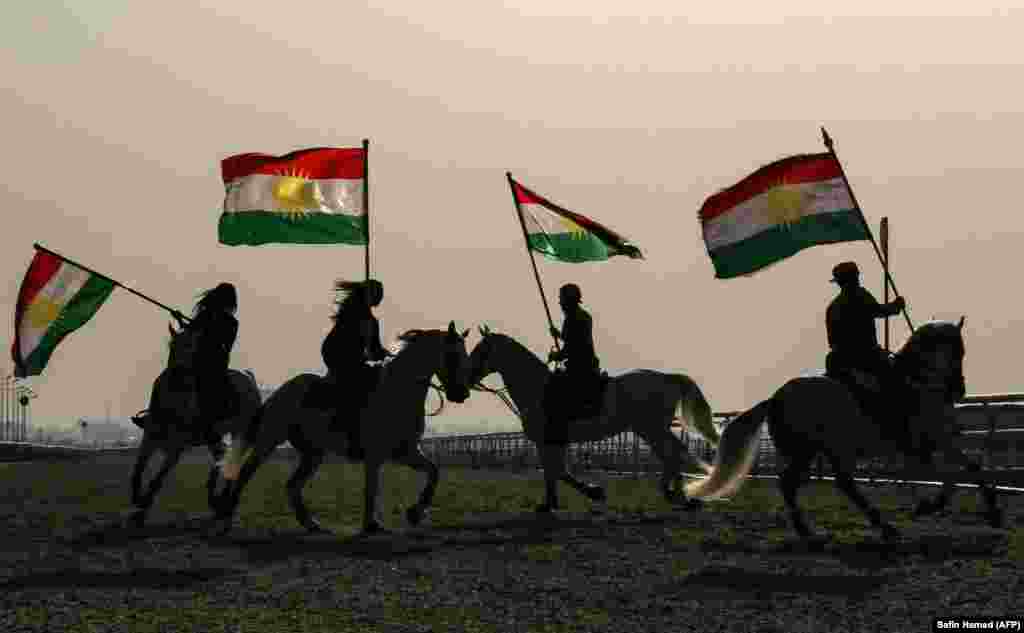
column 376, row 349
column 879, row 310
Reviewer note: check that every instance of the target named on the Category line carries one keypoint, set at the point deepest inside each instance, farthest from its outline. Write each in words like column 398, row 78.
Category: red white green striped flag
column 56, row 298
column 565, row 236
column 779, row 210
column 311, row 196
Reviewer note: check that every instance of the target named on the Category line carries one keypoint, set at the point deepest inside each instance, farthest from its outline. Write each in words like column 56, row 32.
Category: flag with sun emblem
column 56, row 298
column 779, row 210
column 312, row 196
column 565, row 236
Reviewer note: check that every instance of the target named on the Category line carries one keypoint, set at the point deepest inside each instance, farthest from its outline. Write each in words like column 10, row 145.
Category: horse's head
column 479, row 359
column 933, row 358
column 453, row 364
column 182, row 348
column 454, row 372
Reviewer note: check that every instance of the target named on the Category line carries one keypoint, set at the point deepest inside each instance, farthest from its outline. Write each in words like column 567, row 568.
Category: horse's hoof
column 374, row 529
column 691, row 504
column 599, row 508
column 416, row 515
column 995, row 517
column 814, row 542
column 136, row 519
column 313, row 527
column 221, row 527
column 597, row 494
column 889, row 533
column 546, row 509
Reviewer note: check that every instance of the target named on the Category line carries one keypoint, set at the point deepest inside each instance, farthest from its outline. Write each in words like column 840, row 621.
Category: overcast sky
column 118, row 114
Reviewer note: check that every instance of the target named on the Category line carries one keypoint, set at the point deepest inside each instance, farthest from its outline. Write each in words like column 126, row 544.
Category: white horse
column 816, row 415
column 643, row 401
column 391, row 427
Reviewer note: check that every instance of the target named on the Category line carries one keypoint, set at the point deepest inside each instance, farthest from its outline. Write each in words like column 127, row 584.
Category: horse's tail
column 736, row 454
column 693, row 407
column 241, row 446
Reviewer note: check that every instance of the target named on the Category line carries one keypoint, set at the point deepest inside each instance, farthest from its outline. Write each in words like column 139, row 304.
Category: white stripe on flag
column 64, row 285
column 255, row 192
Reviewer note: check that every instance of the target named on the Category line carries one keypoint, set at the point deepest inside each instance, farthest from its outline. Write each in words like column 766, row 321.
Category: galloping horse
column 644, row 401
column 391, row 427
column 169, row 424
column 815, row 415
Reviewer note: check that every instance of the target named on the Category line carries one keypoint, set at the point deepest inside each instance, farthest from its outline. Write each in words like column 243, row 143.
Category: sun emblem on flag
column 296, row 194
column 786, row 204
column 575, row 230
column 42, row 312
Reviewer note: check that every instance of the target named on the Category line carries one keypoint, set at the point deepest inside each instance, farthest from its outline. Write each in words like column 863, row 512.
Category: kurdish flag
column 311, row 196
column 56, row 298
column 779, row 210
column 565, row 236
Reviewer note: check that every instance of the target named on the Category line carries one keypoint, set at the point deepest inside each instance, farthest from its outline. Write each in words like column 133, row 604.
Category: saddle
column 346, row 398
column 568, row 398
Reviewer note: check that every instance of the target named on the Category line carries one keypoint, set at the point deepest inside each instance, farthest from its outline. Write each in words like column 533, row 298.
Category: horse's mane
column 930, row 333
column 409, row 336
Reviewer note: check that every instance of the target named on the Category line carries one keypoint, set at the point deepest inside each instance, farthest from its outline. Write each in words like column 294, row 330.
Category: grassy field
column 484, row 563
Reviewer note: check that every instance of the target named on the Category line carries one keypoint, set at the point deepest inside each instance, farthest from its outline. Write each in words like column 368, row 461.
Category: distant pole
column 864, row 222
column 529, row 251
column 883, row 237
column 366, row 202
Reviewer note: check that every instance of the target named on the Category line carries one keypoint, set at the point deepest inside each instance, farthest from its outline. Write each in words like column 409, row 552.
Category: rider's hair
column 351, row 293
column 223, row 297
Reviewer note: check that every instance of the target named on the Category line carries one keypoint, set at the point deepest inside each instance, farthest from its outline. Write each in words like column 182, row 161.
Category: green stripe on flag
column 780, row 242
column 255, row 228
column 75, row 314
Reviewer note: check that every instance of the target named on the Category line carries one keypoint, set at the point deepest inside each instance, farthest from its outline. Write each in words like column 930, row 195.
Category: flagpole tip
column 825, row 137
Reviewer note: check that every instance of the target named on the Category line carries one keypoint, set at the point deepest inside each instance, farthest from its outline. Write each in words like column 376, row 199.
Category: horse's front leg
column 372, row 523
column 217, row 451
column 145, row 453
column 421, row 463
column 145, row 502
column 553, row 460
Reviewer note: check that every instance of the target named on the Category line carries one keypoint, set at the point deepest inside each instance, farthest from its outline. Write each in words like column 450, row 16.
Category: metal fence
column 991, row 430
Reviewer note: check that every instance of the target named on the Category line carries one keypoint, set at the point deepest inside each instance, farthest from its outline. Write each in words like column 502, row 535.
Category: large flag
column 312, row 196
column 565, row 236
column 56, row 298
column 779, row 210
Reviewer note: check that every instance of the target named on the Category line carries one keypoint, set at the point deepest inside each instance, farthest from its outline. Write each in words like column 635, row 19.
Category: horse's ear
column 451, row 327
column 484, row 330
column 465, row 333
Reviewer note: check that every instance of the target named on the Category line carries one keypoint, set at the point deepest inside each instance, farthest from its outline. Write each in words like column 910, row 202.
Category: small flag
column 779, row 210
column 311, row 196
column 56, row 298
column 565, row 236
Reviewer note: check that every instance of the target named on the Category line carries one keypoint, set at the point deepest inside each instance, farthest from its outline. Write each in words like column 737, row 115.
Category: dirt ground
column 721, row 570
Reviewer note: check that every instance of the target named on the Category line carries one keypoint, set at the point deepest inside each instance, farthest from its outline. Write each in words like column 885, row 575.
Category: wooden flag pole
column 366, row 202
column 113, row 281
column 883, row 237
column 529, row 251
column 860, row 214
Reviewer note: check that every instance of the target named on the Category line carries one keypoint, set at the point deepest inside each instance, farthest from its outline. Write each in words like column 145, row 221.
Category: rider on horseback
column 216, row 328
column 850, row 324
column 579, row 381
column 351, row 344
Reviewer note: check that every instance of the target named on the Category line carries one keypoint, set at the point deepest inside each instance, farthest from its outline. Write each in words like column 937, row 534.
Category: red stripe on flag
column 321, row 162
column 605, row 234
column 798, row 169
column 40, row 271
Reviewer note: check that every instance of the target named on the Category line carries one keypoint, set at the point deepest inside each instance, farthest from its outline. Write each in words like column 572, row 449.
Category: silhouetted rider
column 582, row 367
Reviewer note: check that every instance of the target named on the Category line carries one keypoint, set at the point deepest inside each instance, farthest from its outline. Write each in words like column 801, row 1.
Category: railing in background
column 992, row 430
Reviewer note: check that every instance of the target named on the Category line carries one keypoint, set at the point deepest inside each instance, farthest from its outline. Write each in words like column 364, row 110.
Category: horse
column 391, row 426
column 816, row 415
column 168, row 425
column 644, row 401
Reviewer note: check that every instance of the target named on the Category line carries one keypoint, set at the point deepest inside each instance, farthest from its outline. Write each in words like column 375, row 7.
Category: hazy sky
column 118, row 113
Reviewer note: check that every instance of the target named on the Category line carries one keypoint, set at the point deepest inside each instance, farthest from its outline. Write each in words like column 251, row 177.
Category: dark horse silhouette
column 169, row 425
column 815, row 415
